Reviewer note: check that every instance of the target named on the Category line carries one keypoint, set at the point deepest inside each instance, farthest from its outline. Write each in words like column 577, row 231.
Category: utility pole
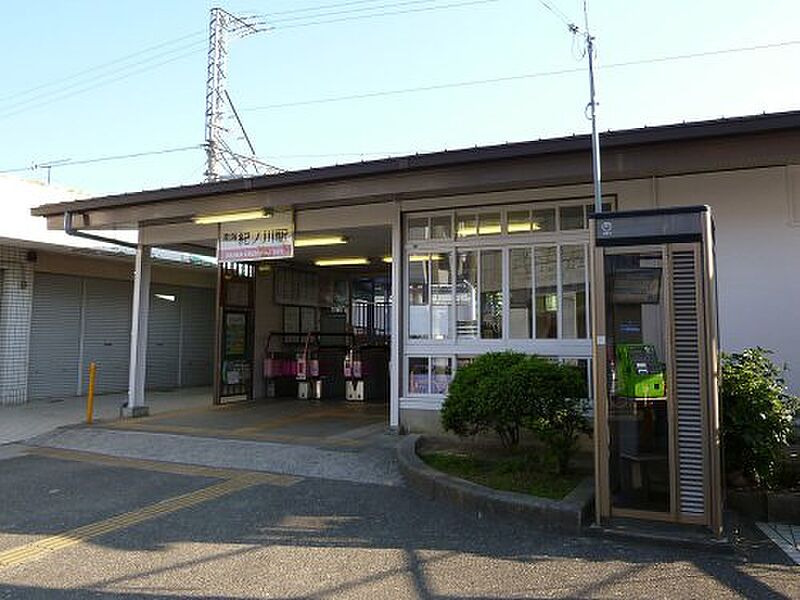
column 596, row 173
column 588, row 39
column 221, row 161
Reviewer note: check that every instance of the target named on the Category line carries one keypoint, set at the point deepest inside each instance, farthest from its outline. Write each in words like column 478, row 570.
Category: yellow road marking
column 82, row 534
column 163, row 467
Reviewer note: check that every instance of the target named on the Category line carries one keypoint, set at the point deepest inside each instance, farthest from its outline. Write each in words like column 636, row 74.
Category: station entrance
column 310, row 330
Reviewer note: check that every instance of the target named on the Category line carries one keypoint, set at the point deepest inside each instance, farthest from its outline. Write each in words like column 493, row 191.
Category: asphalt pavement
column 128, row 523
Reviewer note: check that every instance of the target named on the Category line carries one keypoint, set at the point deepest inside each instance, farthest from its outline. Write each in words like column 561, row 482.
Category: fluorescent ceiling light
column 340, row 262
column 330, row 240
column 518, row 227
column 167, row 297
column 424, row 257
column 245, row 215
column 387, row 259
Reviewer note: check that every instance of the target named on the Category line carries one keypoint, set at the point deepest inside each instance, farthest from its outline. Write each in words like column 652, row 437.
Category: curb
column 565, row 516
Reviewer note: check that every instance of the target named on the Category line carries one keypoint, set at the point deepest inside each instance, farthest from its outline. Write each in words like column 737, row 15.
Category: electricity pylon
column 222, row 162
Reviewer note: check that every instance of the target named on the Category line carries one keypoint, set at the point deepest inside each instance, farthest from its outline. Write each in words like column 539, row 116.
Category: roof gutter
column 70, row 230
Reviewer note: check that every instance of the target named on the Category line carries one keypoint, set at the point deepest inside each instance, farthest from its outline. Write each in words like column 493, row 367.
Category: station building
column 385, row 276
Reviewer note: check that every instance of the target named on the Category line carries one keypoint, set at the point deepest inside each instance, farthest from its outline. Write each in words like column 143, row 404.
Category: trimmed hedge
column 505, row 392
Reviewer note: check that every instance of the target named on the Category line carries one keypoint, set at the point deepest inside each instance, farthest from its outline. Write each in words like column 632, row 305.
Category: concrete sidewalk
column 373, row 464
column 24, row 421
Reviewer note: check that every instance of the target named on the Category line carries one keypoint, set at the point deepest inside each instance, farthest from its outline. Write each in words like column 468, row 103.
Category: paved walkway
column 376, row 464
column 18, row 423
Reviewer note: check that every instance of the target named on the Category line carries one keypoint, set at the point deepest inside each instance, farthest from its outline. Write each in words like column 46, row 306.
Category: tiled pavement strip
column 784, row 535
column 232, row 481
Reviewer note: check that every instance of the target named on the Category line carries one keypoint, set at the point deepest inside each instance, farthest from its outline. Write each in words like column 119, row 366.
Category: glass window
column 463, row 361
column 441, row 228
column 489, row 224
column 520, row 304
column 546, row 292
column 418, row 228
column 441, row 374
column 418, row 293
column 441, row 295
column 467, row 295
column 639, row 453
column 418, row 380
column 573, row 292
column 466, row 225
column 571, row 217
column 543, row 219
column 519, row 221
column 491, row 294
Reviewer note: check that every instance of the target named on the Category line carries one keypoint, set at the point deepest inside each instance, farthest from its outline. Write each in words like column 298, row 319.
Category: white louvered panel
column 691, row 470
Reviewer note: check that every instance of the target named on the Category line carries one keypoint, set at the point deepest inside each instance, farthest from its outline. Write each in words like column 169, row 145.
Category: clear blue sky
column 150, row 106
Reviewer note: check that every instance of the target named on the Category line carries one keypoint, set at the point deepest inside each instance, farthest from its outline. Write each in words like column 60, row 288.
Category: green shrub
column 507, row 391
column 757, row 415
column 484, row 396
column 561, row 405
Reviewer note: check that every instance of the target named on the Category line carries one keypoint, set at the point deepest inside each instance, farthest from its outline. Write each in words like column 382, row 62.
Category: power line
column 493, row 80
column 363, row 9
column 26, row 106
column 88, row 161
column 82, row 86
column 557, row 12
column 388, row 13
column 100, row 66
column 320, row 7
column 111, row 76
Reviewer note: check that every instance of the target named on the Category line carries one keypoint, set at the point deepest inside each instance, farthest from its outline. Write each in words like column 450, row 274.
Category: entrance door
column 639, row 396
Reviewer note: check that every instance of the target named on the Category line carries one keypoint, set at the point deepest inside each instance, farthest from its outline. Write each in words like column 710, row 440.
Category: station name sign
column 260, row 239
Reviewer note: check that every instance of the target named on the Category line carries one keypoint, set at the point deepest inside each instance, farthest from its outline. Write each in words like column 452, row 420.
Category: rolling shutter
column 163, row 335
column 197, row 343
column 107, row 332
column 55, row 337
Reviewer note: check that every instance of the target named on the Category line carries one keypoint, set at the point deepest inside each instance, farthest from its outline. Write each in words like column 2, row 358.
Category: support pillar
column 395, row 368
column 136, row 406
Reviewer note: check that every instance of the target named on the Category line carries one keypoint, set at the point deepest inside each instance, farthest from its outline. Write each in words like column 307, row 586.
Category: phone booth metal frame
column 656, row 424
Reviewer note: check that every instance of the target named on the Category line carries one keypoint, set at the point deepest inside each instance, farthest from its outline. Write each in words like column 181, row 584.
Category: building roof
column 693, row 131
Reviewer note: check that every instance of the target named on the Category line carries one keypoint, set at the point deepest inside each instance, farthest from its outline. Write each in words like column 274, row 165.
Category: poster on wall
column 235, row 334
column 260, row 239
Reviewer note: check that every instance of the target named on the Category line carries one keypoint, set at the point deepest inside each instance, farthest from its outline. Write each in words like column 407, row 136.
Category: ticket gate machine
column 656, row 366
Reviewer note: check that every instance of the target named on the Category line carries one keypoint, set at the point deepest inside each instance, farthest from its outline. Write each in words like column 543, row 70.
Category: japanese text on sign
column 260, row 239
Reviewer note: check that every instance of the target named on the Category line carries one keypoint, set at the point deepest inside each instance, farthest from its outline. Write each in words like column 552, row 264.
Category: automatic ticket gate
column 656, row 366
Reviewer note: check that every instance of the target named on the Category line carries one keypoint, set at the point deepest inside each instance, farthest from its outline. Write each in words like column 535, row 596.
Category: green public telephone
column 639, row 374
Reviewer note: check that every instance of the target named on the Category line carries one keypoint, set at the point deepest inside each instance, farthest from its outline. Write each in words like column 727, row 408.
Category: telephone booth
column 656, row 367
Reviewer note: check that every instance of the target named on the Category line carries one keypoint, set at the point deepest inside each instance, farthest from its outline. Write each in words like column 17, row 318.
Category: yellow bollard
column 90, row 395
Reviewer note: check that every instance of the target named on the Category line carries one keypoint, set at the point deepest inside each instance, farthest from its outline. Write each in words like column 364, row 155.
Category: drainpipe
column 70, row 230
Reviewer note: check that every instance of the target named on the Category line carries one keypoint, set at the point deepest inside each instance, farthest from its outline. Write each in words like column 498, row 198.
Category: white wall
column 758, row 251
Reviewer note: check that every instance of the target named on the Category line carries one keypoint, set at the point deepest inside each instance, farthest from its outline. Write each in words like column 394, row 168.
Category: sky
column 91, row 79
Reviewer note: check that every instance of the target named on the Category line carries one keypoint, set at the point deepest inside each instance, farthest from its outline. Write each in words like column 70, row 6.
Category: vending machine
column 656, row 366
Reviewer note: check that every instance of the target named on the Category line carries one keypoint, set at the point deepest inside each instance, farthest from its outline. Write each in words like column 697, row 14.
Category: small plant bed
column 521, row 470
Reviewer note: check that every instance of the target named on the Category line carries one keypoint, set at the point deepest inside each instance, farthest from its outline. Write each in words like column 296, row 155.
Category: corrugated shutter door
column 55, row 336
column 197, row 356
column 108, row 332
column 688, row 390
column 163, row 335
